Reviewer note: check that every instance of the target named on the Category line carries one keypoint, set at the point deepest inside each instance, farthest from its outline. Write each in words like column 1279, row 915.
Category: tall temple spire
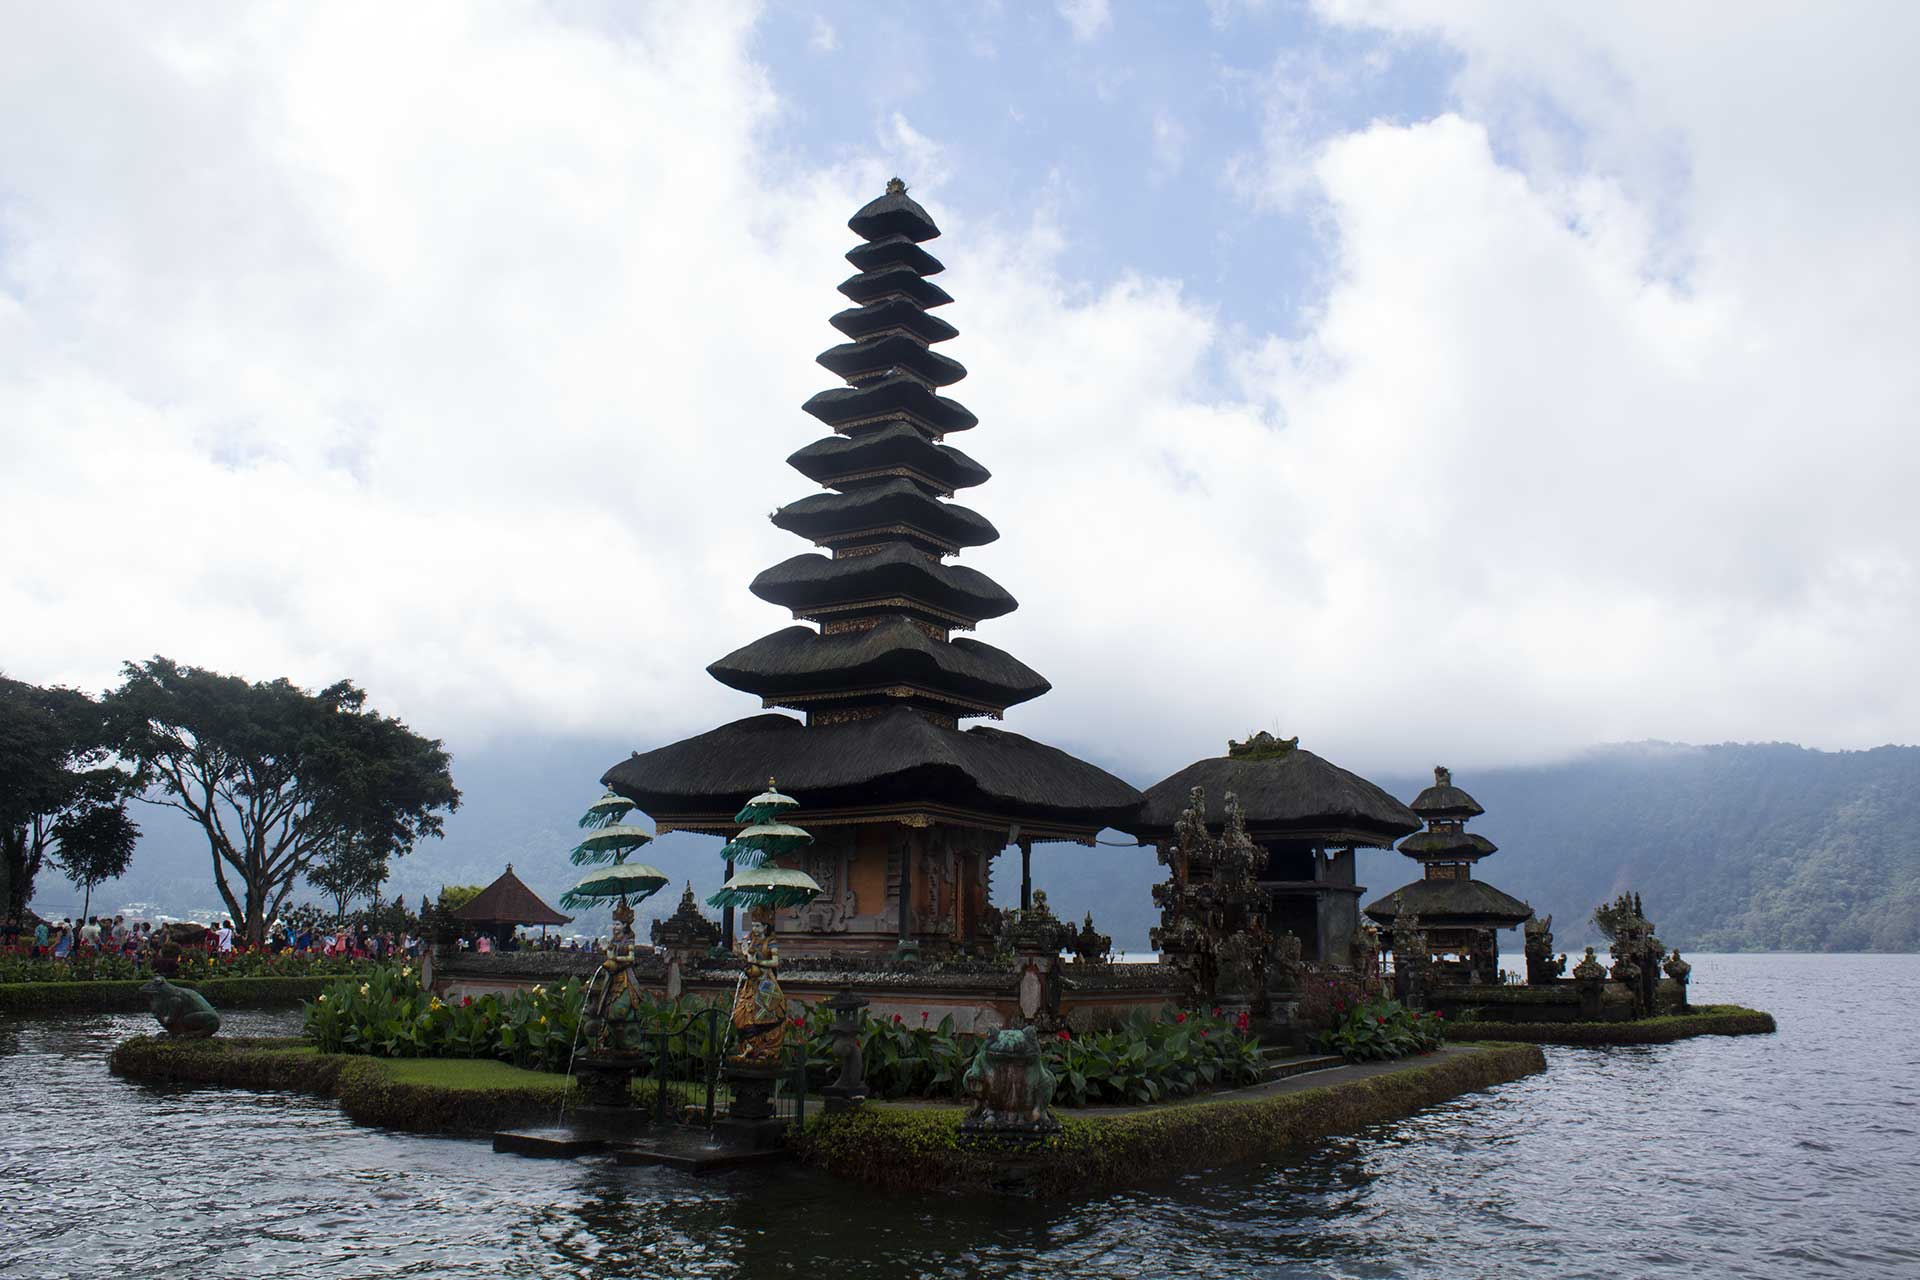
column 884, row 598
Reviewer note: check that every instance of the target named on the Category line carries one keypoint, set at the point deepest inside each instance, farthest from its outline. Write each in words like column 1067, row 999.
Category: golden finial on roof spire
column 895, row 187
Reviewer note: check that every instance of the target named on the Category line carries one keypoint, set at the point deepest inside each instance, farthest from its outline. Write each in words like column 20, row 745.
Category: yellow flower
column 436, row 1006
column 543, row 1019
column 364, row 989
column 406, row 971
column 323, row 997
column 539, row 990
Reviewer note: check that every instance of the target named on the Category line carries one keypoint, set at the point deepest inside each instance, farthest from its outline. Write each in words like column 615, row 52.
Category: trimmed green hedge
column 1701, row 1020
column 421, row 1095
column 919, row 1148
column 125, row 997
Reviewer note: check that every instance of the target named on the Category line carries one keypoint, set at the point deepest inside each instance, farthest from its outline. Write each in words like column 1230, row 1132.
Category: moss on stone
column 1701, row 1020
column 123, row 996
column 920, row 1148
column 422, row 1095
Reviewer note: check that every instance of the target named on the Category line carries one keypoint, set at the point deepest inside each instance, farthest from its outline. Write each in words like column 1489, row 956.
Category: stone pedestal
column 849, row 1088
column 606, row 1079
column 750, row 1121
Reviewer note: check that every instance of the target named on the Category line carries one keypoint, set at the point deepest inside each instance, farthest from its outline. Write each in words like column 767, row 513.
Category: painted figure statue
column 183, row 1011
column 1011, row 1086
column 613, row 997
column 759, row 1006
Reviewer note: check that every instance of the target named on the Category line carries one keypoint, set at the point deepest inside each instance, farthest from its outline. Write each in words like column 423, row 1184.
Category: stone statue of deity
column 183, row 1011
column 1543, row 967
column 613, row 995
column 759, row 1006
column 1012, row 1089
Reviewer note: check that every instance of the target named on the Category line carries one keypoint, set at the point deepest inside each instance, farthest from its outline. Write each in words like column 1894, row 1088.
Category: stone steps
column 1279, row 1064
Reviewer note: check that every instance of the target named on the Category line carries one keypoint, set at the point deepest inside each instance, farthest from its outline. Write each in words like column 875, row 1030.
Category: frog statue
column 183, row 1011
column 1011, row 1087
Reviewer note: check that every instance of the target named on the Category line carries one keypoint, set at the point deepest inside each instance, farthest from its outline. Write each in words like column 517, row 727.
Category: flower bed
column 1377, row 1030
column 195, row 966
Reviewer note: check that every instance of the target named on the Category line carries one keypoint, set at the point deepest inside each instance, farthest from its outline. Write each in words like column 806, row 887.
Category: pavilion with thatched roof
column 506, row 904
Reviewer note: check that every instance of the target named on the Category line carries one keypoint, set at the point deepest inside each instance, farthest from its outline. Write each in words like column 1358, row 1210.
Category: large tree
column 348, row 869
column 95, row 845
column 59, row 787
column 277, row 776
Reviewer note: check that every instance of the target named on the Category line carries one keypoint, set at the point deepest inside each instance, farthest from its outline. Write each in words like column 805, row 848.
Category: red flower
column 1066, row 1035
column 1242, row 1022
column 1436, row 1013
column 1381, row 1020
column 1179, row 1017
column 923, row 1017
column 1203, row 1033
column 1216, row 1011
column 896, row 1018
column 467, row 1001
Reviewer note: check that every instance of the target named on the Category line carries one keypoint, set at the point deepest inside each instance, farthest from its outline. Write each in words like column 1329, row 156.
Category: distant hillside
column 1755, row 847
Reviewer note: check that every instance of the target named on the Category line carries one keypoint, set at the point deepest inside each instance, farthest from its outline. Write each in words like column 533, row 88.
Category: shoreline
column 122, row 995
column 1701, row 1020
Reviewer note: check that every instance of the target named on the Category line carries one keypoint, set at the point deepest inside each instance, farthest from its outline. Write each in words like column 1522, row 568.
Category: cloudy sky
column 1453, row 381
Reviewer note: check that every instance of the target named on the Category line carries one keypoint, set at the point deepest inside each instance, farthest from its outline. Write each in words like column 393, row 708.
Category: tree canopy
column 277, row 777
column 62, row 795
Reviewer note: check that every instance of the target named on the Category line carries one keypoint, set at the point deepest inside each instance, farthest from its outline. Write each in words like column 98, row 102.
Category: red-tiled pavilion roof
column 508, row 901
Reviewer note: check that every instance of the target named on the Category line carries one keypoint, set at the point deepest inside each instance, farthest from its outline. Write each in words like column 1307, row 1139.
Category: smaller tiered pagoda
column 1459, row 917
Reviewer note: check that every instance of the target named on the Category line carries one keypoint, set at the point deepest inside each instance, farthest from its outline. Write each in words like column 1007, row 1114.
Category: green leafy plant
column 1381, row 1029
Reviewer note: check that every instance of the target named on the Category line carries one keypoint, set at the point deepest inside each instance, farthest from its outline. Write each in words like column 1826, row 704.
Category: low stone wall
column 1701, row 1020
column 123, row 996
column 484, row 1096
column 920, row 1148
column 1547, row 1002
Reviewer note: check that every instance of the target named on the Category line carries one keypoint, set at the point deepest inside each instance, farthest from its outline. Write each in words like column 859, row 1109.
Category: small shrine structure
column 1306, row 816
column 907, row 808
column 1458, row 917
column 504, row 905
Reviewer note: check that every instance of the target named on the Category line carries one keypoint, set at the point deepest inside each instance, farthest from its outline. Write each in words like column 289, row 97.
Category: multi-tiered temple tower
column 907, row 808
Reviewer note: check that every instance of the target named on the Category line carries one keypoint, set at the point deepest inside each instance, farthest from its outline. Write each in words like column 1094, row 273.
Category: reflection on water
column 1790, row 1155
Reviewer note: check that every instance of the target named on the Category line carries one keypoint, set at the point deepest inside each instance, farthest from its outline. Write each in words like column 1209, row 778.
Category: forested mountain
column 1743, row 846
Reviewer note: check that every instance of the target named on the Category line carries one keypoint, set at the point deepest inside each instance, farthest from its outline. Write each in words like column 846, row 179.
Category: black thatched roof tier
column 895, row 758
column 812, row 581
column 893, row 214
column 877, row 356
column 1294, row 792
column 1452, row 903
column 895, row 313
column 1443, row 800
column 832, row 459
column 801, row 661
column 1442, row 845
column 825, row 517
column 890, row 251
column 890, row 397
column 894, row 282
column 508, row 901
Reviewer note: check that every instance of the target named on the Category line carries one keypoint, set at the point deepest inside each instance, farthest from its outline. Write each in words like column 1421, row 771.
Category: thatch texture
column 897, row 444
column 1444, row 800
column 870, row 286
column 812, row 580
column 894, row 251
column 1295, row 791
column 894, row 313
column 1451, row 903
column 892, row 501
column 801, row 660
column 508, row 901
column 893, row 214
column 1447, row 844
column 890, row 395
column 897, row 757
column 891, row 350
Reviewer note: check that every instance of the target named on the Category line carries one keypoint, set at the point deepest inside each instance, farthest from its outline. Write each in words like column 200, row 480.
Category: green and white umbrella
column 766, row 887
column 633, row 881
column 606, row 811
column 610, row 844
column 765, row 806
column 763, row 842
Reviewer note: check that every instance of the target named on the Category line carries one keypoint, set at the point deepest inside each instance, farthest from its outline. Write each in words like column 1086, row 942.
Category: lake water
column 1793, row 1155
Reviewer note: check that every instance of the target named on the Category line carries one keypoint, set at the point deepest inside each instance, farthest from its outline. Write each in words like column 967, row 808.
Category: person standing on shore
column 40, row 936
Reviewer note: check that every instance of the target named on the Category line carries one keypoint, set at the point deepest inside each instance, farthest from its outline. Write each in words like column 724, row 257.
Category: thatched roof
column 891, row 350
column 800, row 660
column 1444, row 800
column 1451, row 903
column 892, row 250
column 897, row 444
column 508, row 901
column 894, row 313
column 896, row 500
column 1447, row 844
column 896, row 757
column 904, row 282
column 811, row 580
column 890, row 395
column 1293, row 793
column 893, row 214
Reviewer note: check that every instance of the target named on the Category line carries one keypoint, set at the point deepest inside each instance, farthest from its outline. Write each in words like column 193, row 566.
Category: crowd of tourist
column 148, row 944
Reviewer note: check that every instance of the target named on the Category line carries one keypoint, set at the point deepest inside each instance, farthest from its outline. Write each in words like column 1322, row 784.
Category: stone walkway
column 1289, row 1084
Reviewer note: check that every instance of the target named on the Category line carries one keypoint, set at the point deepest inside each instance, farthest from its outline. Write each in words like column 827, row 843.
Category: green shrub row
column 194, row 966
column 922, row 1149
column 1700, row 1020
column 125, row 997
column 437, row 1097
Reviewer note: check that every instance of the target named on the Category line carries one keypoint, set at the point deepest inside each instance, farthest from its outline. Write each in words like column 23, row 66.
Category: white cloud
column 823, row 38
column 1087, row 18
column 462, row 362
